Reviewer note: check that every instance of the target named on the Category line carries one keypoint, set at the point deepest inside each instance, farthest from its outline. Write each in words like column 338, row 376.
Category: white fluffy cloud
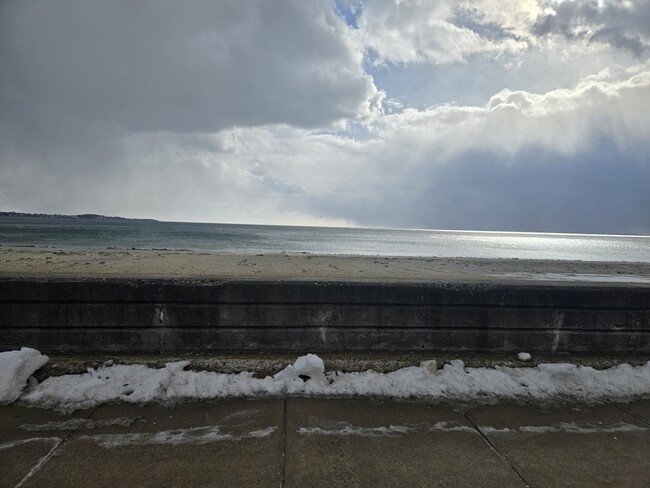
column 419, row 31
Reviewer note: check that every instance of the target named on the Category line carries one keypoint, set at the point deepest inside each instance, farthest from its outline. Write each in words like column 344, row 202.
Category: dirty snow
column 80, row 424
column 453, row 382
column 307, row 376
column 175, row 437
column 342, row 428
column 353, row 430
column 571, row 427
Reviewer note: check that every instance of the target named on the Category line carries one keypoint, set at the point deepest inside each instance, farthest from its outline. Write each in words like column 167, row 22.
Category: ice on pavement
column 80, row 424
column 453, row 382
column 15, row 369
column 176, row 437
column 342, row 428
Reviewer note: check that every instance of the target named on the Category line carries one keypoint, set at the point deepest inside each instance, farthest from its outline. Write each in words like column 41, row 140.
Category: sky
column 522, row 115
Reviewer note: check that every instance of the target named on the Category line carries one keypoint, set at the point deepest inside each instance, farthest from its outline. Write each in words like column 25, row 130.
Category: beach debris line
column 307, row 376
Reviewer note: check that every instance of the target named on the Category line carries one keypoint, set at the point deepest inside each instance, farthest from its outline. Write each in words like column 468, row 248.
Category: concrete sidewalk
column 307, row 442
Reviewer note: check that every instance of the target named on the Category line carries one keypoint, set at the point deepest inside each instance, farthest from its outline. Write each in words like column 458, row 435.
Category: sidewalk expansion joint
column 511, row 464
column 44, row 460
column 632, row 414
column 41, row 462
column 284, row 443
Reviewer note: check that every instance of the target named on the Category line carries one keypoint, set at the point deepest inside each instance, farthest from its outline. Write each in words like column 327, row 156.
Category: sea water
column 233, row 238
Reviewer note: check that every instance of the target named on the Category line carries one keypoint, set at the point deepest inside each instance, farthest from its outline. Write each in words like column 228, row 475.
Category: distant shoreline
column 88, row 216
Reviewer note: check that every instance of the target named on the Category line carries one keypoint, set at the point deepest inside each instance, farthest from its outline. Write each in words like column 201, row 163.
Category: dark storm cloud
column 474, row 20
column 150, row 65
column 621, row 25
column 602, row 190
column 79, row 80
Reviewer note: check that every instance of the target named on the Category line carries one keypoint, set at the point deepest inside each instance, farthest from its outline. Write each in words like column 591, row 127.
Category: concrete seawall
column 183, row 315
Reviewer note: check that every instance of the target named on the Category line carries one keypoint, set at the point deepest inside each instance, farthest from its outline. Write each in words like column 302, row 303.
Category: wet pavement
column 300, row 442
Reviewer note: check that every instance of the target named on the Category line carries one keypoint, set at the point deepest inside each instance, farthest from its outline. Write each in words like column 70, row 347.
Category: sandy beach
column 112, row 263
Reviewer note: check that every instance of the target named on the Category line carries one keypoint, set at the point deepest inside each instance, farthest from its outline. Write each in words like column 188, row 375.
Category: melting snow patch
column 352, row 430
column 195, row 436
column 584, row 428
column 80, row 424
column 571, row 427
column 346, row 429
column 450, row 427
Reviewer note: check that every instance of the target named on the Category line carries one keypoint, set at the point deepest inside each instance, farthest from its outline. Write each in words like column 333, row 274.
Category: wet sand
column 113, row 263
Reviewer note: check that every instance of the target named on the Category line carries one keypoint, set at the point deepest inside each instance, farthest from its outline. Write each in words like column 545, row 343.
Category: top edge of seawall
column 450, row 282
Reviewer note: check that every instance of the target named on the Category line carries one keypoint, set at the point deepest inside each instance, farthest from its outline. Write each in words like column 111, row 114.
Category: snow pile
column 453, row 382
column 15, row 369
column 306, row 368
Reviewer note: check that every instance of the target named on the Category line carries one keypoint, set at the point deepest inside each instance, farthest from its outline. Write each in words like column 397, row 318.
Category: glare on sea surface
column 548, row 246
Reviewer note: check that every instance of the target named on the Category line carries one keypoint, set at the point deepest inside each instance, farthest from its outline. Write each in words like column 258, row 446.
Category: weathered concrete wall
column 114, row 316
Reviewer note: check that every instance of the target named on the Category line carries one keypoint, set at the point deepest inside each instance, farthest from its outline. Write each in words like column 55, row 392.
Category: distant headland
column 88, row 216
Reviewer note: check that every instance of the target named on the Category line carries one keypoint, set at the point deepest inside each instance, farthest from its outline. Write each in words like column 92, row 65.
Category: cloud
column 564, row 119
column 621, row 24
column 442, row 32
column 565, row 160
column 417, row 31
column 266, row 112
column 148, row 65
column 85, row 84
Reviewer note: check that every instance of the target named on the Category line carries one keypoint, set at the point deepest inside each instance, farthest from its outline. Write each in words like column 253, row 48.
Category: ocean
column 234, row 238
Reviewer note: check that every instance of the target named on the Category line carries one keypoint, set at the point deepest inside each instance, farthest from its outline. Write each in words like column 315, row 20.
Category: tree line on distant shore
column 88, row 216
